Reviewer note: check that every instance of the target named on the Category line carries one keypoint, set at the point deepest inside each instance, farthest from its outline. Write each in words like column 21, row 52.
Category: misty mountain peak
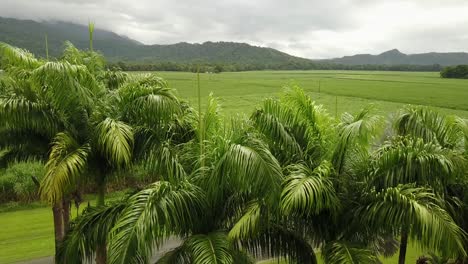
column 392, row 52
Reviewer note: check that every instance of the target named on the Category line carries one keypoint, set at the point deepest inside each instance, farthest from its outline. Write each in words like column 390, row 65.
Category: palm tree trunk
column 101, row 254
column 66, row 215
column 58, row 228
column 101, row 251
column 403, row 245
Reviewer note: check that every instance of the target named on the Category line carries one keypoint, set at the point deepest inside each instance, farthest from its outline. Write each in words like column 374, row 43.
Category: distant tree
column 458, row 72
column 218, row 69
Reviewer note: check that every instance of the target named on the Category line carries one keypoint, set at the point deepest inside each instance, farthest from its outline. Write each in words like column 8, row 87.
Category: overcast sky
column 307, row 28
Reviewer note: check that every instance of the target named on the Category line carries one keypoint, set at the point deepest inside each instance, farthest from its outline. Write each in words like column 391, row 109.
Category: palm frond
column 354, row 131
column 148, row 101
column 249, row 224
column 151, row 216
column 250, row 166
column 462, row 125
column 166, row 163
column 308, row 192
column 16, row 57
column 268, row 122
column 93, row 61
column 408, row 160
column 338, row 252
column 67, row 162
column 278, row 241
column 114, row 78
column 114, row 140
column 314, row 115
column 314, row 123
column 211, row 248
column 66, row 86
column 89, row 230
column 178, row 255
column 431, row 226
column 18, row 113
column 427, row 124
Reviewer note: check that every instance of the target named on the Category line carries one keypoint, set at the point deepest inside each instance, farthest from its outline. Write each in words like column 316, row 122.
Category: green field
column 27, row 233
column 346, row 91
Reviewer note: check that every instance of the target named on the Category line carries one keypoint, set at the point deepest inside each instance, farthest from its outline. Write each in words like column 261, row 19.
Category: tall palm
column 53, row 101
column 351, row 153
column 319, row 163
column 43, row 99
column 425, row 153
column 196, row 203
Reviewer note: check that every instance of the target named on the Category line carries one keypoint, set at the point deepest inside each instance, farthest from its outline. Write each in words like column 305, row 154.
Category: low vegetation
column 288, row 181
column 456, row 72
column 20, row 181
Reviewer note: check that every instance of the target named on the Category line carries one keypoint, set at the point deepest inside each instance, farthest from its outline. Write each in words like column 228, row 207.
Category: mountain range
column 30, row 35
column 395, row 57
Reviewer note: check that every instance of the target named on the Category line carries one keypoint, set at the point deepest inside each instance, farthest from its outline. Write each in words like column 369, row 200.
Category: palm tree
column 53, row 102
column 398, row 161
column 38, row 105
column 320, row 158
column 196, row 203
column 425, row 153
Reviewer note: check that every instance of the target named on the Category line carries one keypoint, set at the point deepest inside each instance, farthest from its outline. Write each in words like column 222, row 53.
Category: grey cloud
column 309, row 28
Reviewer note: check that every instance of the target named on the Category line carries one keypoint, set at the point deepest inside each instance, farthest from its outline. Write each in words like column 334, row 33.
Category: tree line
column 237, row 67
column 286, row 181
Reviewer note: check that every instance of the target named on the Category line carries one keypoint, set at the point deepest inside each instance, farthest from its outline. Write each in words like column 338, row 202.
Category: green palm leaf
column 407, row 160
column 67, row 162
column 278, row 241
column 419, row 208
column 18, row 113
column 212, row 248
column 147, row 100
column 151, row 216
column 249, row 166
column 165, row 161
column 338, row 252
column 114, row 140
column 88, row 231
column 178, row 255
column 275, row 130
column 308, row 192
column 15, row 57
column 66, row 86
column 249, row 224
column 427, row 124
column 353, row 131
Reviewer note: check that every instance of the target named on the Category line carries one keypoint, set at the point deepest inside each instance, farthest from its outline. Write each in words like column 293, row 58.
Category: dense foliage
column 20, row 181
column 290, row 65
column 458, row 72
column 288, row 181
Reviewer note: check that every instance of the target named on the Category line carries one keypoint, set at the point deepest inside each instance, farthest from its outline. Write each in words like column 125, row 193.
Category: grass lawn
column 28, row 232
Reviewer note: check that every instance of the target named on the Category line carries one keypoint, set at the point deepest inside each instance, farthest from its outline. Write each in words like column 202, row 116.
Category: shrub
column 459, row 72
column 19, row 182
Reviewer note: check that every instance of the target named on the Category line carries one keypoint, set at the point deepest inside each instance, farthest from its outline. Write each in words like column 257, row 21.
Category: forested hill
column 395, row 57
column 30, row 35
